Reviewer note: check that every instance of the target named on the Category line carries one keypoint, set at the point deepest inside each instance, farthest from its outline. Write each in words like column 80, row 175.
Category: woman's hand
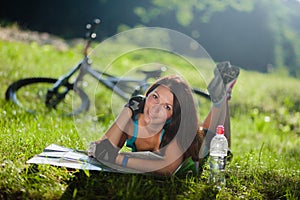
column 136, row 104
column 103, row 151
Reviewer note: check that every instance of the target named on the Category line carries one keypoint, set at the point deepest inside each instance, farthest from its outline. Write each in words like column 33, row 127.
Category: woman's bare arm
column 172, row 159
column 116, row 132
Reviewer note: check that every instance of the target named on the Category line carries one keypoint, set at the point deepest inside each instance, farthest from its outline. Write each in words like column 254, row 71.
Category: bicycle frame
column 85, row 68
column 59, row 88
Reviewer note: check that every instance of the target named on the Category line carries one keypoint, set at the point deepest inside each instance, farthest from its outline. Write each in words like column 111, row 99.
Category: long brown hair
column 184, row 121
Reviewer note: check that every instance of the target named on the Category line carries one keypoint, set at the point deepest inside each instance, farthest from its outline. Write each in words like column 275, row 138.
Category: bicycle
column 41, row 94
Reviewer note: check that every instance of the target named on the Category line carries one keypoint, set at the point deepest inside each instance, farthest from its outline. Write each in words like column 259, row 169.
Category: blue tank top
column 131, row 142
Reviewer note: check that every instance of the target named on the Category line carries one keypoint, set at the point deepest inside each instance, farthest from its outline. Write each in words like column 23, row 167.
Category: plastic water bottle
column 218, row 153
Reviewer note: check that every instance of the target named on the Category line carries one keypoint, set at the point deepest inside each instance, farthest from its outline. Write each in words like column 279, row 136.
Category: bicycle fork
column 62, row 86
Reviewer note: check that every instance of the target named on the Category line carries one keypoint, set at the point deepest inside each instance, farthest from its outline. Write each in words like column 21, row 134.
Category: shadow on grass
column 103, row 185
column 264, row 183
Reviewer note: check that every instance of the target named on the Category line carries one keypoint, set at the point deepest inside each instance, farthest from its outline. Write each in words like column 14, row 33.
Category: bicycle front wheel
column 30, row 94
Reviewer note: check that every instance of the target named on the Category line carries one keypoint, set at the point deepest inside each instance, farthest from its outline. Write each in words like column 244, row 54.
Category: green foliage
column 229, row 29
column 281, row 17
column 277, row 19
column 265, row 141
column 277, row 103
column 187, row 11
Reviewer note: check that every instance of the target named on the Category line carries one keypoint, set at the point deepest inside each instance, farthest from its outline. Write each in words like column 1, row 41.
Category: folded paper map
column 76, row 159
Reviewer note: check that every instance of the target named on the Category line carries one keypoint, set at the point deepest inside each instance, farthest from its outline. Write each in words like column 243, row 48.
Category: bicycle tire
column 30, row 94
column 201, row 93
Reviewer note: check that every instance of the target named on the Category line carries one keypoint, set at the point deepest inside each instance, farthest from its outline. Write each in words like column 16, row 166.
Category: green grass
column 265, row 112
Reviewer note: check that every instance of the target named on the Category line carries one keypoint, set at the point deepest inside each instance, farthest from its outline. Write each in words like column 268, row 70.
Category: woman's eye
column 154, row 96
column 168, row 107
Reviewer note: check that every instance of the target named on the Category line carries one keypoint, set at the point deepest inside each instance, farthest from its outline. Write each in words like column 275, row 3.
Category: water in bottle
column 218, row 153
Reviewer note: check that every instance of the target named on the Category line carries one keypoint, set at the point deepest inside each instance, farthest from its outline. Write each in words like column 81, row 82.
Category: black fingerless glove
column 136, row 104
column 105, row 151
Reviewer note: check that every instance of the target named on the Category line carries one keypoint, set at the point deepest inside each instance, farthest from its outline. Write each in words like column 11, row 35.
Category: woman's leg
column 218, row 116
column 220, row 89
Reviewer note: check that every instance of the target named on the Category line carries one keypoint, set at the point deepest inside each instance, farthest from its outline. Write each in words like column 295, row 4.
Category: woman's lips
column 153, row 113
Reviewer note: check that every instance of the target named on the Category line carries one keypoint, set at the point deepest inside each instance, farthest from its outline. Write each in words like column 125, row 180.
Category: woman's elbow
column 169, row 170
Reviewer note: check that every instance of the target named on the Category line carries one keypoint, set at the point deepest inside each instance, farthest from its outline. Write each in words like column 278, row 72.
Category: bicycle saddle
column 153, row 73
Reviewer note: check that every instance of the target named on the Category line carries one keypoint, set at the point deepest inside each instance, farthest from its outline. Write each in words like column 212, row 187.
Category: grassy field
column 265, row 115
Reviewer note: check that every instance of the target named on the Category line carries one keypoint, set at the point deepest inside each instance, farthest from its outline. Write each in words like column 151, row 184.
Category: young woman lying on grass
column 165, row 121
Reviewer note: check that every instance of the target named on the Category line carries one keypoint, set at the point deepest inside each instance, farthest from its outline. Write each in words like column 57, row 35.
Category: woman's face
column 159, row 105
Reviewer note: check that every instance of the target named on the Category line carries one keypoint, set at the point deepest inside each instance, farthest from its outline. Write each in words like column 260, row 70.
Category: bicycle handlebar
column 90, row 34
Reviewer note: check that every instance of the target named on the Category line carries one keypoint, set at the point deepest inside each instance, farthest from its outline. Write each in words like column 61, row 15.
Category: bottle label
column 218, row 154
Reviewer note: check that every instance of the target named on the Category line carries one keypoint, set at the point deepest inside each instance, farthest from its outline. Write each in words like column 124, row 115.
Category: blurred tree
column 186, row 11
column 283, row 18
column 254, row 34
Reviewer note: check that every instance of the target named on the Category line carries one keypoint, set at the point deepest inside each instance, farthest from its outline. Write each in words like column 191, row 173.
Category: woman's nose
column 157, row 108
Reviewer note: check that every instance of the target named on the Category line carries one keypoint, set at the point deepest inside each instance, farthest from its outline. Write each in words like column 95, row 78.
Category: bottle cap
column 220, row 129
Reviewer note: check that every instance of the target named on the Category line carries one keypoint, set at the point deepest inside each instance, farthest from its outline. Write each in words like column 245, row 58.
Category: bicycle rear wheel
column 201, row 93
column 30, row 94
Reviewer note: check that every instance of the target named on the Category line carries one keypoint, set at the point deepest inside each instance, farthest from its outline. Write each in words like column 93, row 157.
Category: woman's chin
column 153, row 119
column 147, row 119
